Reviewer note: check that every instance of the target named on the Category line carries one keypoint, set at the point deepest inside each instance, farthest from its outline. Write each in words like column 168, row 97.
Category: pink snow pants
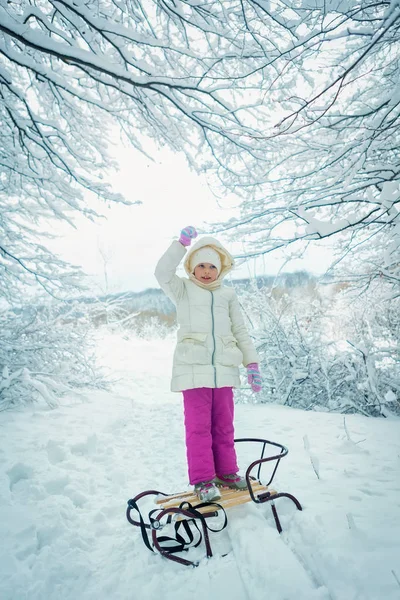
column 209, row 430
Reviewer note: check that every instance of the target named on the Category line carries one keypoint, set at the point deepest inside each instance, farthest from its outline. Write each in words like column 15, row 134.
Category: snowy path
column 65, row 477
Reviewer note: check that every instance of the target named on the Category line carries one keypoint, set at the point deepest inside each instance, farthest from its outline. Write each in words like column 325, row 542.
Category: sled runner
column 190, row 520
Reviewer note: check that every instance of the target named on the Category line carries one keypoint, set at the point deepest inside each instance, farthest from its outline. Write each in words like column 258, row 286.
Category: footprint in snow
column 87, row 447
column 18, row 472
column 55, row 452
column 56, row 486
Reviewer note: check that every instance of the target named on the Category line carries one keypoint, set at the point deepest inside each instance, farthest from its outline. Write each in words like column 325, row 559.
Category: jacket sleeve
column 165, row 272
column 241, row 334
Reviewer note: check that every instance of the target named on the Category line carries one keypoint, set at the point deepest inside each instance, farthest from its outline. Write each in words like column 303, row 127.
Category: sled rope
column 168, row 544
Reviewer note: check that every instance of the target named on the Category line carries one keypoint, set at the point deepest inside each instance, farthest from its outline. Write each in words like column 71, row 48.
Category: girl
column 212, row 342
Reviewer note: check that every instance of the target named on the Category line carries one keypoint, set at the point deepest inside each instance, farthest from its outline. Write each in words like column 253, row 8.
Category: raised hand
column 187, row 234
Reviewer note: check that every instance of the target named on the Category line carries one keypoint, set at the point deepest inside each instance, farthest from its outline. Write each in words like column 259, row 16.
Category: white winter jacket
column 212, row 337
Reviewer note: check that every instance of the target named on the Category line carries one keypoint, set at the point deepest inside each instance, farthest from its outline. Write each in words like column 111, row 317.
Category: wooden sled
column 189, row 517
column 229, row 497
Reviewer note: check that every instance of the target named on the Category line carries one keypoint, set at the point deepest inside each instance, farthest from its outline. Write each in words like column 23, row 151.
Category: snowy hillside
column 66, row 475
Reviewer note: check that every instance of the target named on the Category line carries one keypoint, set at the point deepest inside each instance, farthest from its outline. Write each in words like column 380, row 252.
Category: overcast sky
column 133, row 238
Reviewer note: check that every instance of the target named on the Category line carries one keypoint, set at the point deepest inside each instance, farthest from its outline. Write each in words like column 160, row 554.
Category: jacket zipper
column 213, row 353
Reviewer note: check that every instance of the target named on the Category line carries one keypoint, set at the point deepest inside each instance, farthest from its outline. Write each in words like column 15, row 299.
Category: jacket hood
column 227, row 262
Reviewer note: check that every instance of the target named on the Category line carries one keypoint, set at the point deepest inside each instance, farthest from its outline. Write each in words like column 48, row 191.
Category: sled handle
column 132, row 505
column 284, row 451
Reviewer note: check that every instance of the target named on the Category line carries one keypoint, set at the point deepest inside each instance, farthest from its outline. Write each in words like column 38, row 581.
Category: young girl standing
column 212, row 343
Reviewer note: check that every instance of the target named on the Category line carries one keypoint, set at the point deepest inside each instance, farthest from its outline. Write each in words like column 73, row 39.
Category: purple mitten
column 187, row 235
column 254, row 377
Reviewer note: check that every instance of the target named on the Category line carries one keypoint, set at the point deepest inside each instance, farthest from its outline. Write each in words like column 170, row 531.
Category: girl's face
column 206, row 272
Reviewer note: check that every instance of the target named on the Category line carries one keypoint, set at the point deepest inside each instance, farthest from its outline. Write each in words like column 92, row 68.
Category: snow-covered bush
column 332, row 351
column 149, row 325
column 44, row 353
column 131, row 313
column 120, row 317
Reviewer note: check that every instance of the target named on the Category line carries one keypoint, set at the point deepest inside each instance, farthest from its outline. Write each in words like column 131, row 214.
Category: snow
column 67, row 473
column 324, row 228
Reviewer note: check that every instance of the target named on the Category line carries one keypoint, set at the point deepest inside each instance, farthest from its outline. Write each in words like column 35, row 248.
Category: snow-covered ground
column 66, row 474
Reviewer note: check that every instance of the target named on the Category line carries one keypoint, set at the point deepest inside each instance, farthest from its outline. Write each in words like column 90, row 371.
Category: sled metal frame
column 269, row 496
column 185, row 514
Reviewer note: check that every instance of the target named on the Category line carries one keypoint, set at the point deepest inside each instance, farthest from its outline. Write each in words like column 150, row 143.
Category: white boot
column 207, row 491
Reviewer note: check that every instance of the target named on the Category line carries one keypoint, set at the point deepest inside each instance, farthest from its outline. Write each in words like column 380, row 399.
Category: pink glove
column 254, row 377
column 187, row 235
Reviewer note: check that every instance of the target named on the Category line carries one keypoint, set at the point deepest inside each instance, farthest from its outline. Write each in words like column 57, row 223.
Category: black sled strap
column 132, row 505
column 178, row 543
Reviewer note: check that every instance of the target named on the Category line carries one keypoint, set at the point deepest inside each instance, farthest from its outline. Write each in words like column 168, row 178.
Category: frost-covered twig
column 396, row 578
column 350, row 521
column 315, row 464
column 314, row 460
column 346, row 430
